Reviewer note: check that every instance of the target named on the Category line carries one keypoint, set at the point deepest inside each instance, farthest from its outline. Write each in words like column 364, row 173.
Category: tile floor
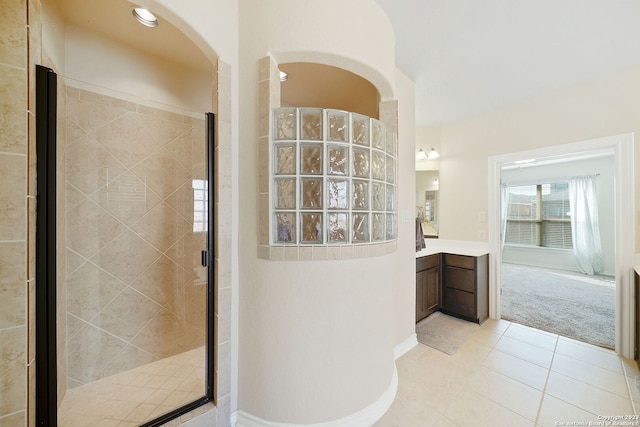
column 133, row 397
column 507, row 374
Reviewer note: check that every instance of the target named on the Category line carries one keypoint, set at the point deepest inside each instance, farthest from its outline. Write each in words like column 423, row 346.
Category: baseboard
column 405, row 346
column 364, row 418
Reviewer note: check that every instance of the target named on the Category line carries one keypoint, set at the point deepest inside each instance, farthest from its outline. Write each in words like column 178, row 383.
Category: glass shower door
column 135, row 292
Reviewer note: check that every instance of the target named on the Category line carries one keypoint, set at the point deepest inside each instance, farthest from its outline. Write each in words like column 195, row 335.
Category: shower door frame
column 46, row 382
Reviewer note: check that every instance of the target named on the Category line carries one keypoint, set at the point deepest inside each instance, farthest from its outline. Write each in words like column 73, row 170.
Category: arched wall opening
column 131, row 101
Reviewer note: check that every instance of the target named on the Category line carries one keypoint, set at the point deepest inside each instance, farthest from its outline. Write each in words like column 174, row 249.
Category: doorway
column 543, row 284
column 622, row 148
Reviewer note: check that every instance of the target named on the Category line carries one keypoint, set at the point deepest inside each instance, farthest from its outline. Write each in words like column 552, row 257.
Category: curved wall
column 316, row 338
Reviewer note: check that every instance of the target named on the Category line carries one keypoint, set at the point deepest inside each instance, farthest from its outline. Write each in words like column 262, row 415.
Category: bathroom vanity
column 453, row 277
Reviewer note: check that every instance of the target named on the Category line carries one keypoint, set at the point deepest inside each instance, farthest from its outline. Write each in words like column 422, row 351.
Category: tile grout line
column 546, row 382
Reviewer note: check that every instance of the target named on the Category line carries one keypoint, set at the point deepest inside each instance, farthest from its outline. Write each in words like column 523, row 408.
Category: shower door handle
column 204, row 260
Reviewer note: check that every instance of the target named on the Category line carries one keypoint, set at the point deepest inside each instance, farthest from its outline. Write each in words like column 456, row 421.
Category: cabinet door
column 421, row 292
column 432, row 294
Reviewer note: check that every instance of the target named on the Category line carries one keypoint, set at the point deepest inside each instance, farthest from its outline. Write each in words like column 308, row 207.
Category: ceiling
column 468, row 56
column 465, row 56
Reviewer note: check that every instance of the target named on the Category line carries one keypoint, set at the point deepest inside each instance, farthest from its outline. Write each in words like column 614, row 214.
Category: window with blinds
column 539, row 215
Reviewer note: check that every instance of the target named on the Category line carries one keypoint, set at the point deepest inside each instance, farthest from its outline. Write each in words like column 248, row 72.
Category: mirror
column 427, row 187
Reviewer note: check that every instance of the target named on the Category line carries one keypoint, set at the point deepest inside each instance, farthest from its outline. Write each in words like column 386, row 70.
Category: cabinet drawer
column 460, row 302
column 461, row 261
column 426, row 262
column 460, row 278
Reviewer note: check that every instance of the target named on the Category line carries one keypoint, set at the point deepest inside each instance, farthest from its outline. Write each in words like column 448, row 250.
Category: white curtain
column 585, row 228
column 504, row 189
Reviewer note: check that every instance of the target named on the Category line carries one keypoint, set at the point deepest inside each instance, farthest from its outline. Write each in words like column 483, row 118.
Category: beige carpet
column 444, row 333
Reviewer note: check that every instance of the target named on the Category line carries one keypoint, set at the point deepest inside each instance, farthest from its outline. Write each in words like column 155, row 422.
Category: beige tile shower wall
column 14, row 284
column 135, row 287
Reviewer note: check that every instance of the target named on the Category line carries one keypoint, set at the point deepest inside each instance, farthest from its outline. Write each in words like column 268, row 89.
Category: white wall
column 601, row 108
column 96, row 60
column 317, row 338
column 562, row 259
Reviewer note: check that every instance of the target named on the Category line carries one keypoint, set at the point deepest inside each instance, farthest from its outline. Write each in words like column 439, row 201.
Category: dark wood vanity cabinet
column 465, row 286
column 427, row 285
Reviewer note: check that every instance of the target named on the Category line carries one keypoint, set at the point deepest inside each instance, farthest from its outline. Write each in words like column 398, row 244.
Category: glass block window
column 200, row 205
column 333, row 178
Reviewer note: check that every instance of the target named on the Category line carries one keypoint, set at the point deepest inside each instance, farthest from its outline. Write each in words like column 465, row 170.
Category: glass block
column 337, row 227
column 338, row 122
column 285, row 227
column 360, row 192
column 359, row 129
column 311, row 231
column 338, row 160
column 284, row 159
column 378, row 134
column 285, row 123
column 391, row 198
column 360, row 228
column 377, row 227
column 378, row 170
column 337, row 194
column 285, row 193
column 378, row 202
column 311, row 193
column 311, row 124
column 390, row 168
column 361, row 162
column 391, row 227
column 392, row 142
column 311, row 159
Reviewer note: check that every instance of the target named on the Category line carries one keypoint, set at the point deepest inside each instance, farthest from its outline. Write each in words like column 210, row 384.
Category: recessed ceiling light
column 284, row 76
column 145, row 17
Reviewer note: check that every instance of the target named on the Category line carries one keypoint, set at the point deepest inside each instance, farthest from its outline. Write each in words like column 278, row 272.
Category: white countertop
column 460, row 247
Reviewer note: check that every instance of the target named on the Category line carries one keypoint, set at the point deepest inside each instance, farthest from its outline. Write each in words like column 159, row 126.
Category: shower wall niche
column 136, row 225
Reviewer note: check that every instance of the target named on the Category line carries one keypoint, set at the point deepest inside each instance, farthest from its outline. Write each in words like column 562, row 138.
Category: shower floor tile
column 138, row 395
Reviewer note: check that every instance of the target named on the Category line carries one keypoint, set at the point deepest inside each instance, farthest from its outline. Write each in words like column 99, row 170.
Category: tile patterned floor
column 510, row 375
column 138, row 395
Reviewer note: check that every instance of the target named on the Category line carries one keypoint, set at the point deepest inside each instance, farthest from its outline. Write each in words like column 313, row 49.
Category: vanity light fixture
column 433, row 154
column 284, row 76
column 421, row 155
column 144, row 17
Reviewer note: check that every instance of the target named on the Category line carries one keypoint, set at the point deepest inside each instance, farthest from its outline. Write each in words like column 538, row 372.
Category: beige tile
column 13, row 370
column 162, row 226
column 126, row 197
column 586, row 396
column 498, row 326
column 89, row 166
column 532, row 336
column 163, row 283
column 13, row 46
column 89, row 352
column 91, row 112
column 90, row 289
column 468, row 407
column 590, row 354
column 518, row 369
column 522, row 350
column 485, row 337
column 13, row 170
column 162, row 173
column 127, row 314
column 405, row 412
column 161, row 114
column 126, row 257
column 511, row 394
column 554, row 411
column 13, row 110
column 162, row 130
column 31, row 238
column 591, row 374
column 13, row 289
column 13, row 420
column 181, row 148
column 91, row 228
